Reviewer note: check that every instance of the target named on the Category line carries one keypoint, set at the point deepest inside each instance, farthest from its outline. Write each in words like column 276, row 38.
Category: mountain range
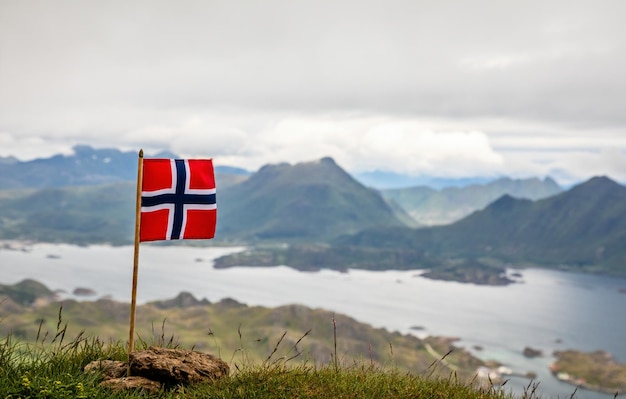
column 328, row 217
column 583, row 228
column 429, row 206
column 86, row 166
column 306, row 201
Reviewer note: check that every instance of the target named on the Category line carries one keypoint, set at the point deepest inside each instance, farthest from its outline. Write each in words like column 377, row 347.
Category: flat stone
column 133, row 382
column 177, row 366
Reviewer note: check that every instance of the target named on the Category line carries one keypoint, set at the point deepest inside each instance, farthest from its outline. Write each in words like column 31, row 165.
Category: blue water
column 548, row 310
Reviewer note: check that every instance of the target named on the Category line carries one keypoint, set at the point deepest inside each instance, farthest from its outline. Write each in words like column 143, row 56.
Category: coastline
column 394, row 300
column 577, row 368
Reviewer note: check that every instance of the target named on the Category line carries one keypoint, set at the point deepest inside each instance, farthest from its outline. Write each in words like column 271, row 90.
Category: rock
column 82, row 291
column 230, row 303
column 109, row 368
column 531, row 352
column 177, row 366
column 133, row 382
column 155, row 367
column 183, row 300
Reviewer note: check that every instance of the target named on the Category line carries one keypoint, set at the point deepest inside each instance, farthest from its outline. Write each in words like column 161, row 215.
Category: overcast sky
column 440, row 88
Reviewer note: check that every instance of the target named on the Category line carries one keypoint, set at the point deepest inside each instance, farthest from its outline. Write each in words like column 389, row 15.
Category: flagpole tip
column 141, row 153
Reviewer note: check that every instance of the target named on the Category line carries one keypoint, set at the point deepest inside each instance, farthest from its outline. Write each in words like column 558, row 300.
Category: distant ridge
column 583, row 228
column 311, row 200
column 385, row 180
column 435, row 207
column 88, row 166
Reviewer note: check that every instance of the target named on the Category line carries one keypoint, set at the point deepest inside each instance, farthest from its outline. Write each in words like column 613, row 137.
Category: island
column 470, row 271
column 311, row 258
column 595, row 370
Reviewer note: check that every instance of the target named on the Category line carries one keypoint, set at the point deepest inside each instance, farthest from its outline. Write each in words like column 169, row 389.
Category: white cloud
column 425, row 152
column 30, row 147
column 415, row 86
column 365, row 144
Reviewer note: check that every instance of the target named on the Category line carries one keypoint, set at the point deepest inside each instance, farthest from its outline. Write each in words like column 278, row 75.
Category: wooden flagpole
column 133, row 303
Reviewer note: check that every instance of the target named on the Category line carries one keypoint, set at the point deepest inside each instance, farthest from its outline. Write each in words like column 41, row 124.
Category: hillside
column 79, row 215
column 234, row 330
column 306, row 201
column 429, row 206
column 583, row 228
column 331, row 220
column 314, row 201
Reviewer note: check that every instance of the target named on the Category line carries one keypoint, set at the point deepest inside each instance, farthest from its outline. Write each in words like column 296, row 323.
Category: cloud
column 30, row 147
column 419, row 86
column 424, row 152
column 580, row 166
column 366, row 144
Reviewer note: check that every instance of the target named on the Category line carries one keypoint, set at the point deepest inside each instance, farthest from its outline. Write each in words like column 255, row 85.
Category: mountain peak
column 597, row 185
column 508, row 203
column 602, row 180
column 312, row 200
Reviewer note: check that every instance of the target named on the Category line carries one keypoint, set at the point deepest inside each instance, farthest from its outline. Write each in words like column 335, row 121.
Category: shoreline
column 394, row 300
column 569, row 366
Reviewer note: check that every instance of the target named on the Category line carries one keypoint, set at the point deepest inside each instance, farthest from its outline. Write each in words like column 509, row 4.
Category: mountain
column 583, row 228
column 24, row 293
column 435, row 207
column 79, row 215
column 88, row 166
column 306, row 201
column 312, row 201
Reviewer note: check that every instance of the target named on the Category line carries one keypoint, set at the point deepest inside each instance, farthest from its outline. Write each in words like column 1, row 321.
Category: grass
column 232, row 331
column 52, row 367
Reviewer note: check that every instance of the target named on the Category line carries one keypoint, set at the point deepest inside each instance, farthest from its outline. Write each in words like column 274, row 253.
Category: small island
column 311, row 258
column 532, row 352
column 596, row 370
column 470, row 271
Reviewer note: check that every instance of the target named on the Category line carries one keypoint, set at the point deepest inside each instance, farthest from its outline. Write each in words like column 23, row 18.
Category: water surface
column 549, row 310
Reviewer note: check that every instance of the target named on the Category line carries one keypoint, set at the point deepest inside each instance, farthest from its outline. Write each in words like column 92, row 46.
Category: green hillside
column 313, row 201
column 232, row 329
column 307, row 201
column 435, row 207
column 583, row 228
column 286, row 352
column 79, row 215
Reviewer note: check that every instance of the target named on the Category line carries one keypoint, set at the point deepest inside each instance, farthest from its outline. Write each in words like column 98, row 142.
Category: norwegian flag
column 177, row 199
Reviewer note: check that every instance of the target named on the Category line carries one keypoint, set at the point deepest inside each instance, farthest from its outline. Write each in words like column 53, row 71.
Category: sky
column 438, row 88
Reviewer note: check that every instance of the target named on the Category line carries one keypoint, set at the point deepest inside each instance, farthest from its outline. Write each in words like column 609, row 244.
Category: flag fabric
column 177, row 199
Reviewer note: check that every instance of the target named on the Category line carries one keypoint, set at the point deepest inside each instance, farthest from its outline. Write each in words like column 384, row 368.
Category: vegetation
column 235, row 330
column 52, row 367
column 582, row 229
column 25, row 292
column 312, row 201
column 471, row 271
column 434, row 207
column 55, row 371
column 330, row 220
column 314, row 257
column 596, row 370
column 78, row 215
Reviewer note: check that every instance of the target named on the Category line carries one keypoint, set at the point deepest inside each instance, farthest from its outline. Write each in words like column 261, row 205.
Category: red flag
column 177, row 199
